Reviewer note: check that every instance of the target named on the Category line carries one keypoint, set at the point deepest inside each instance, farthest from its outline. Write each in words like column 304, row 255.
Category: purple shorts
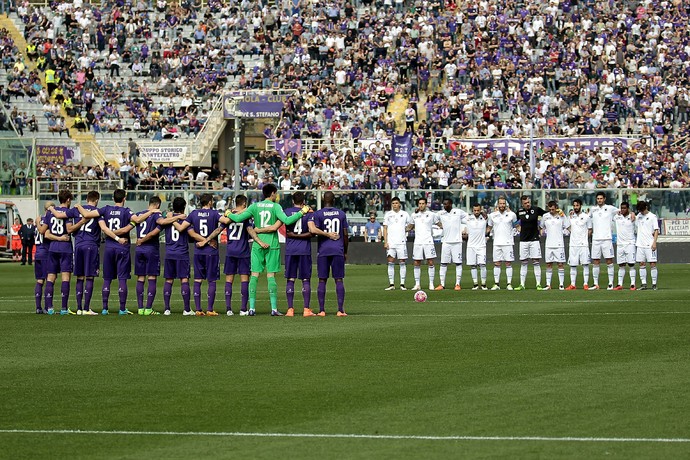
column 147, row 262
column 40, row 269
column 60, row 262
column 298, row 267
column 176, row 269
column 206, row 267
column 117, row 263
column 334, row 264
column 237, row 265
column 86, row 260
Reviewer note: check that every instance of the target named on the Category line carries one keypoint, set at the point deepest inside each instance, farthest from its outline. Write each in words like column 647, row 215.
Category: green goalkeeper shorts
column 265, row 259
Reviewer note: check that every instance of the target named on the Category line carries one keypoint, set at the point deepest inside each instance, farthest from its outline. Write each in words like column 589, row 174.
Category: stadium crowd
column 488, row 69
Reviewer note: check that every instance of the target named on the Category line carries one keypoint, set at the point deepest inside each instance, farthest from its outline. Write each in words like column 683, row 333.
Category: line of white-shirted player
column 636, row 243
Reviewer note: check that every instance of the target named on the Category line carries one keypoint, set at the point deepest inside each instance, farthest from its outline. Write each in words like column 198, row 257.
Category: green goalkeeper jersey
column 266, row 213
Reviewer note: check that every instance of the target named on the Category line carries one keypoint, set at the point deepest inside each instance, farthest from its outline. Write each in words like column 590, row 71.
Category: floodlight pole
column 238, row 132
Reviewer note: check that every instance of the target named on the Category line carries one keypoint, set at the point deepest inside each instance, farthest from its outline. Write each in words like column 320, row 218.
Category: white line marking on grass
column 481, row 315
column 350, row 436
column 540, row 301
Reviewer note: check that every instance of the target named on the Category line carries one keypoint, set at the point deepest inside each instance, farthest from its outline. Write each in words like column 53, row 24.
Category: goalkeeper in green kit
column 266, row 213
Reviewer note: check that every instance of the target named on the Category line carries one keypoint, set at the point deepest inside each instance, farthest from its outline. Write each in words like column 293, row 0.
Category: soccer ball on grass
column 420, row 296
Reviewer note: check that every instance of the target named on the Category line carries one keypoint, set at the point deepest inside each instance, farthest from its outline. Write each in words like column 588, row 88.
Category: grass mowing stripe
column 478, row 315
column 346, row 435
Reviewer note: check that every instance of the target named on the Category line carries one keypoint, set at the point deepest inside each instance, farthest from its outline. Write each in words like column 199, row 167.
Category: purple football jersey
column 330, row 220
column 176, row 243
column 238, row 239
column 90, row 232
column 42, row 244
column 116, row 217
column 204, row 222
column 58, row 227
column 297, row 246
column 147, row 227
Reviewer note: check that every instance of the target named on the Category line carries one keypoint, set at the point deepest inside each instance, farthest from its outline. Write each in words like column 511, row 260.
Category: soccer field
column 466, row 374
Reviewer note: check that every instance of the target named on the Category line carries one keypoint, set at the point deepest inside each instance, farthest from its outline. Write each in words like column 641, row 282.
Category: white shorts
column 555, row 255
column 645, row 255
column 625, row 254
column 397, row 252
column 476, row 256
column 602, row 249
column 530, row 250
column 579, row 255
column 503, row 253
column 423, row 251
column 451, row 252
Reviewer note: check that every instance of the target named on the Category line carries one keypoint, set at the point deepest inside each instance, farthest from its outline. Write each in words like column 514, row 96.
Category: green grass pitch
column 488, row 365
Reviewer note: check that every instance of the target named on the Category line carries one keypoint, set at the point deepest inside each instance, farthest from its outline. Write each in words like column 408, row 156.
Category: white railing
column 48, row 188
column 309, row 146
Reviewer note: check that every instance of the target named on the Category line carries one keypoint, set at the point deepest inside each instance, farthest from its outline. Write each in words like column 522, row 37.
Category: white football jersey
column 602, row 219
column 646, row 225
column 502, row 224
column 625, row 230
column 395, row 223
column 476, row 231
column 554, row 226
column 580, row 224
column 423, row 221
column 452, row 225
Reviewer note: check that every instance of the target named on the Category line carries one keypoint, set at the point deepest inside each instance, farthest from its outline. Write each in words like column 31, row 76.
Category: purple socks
column 197, row 295
column 79, row 290
column 185, row 295
column 50, row 285
column 290, row 293
column 340, row 293
column 38, row 294
column 211, row 295
column 306, row 293
column 64, row 292
column 140, row 294
column 167, row 293
column 245, row 294
column 105, row 293
column 228, row 296
column 321, row 295
column 151, row 294
column 88, row 293
column 122, row 291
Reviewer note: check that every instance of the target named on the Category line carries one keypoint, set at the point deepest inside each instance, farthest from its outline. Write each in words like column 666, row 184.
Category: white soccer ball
column 420, row 296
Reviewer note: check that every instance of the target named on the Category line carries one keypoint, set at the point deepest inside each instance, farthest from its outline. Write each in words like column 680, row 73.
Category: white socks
column 442, row 274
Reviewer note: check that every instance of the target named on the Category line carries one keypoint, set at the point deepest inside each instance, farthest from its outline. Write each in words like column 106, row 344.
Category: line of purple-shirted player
column 68, row 243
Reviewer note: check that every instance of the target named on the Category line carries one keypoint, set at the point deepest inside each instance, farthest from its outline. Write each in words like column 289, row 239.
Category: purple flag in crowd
column 401, row 149
column 285, row 146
